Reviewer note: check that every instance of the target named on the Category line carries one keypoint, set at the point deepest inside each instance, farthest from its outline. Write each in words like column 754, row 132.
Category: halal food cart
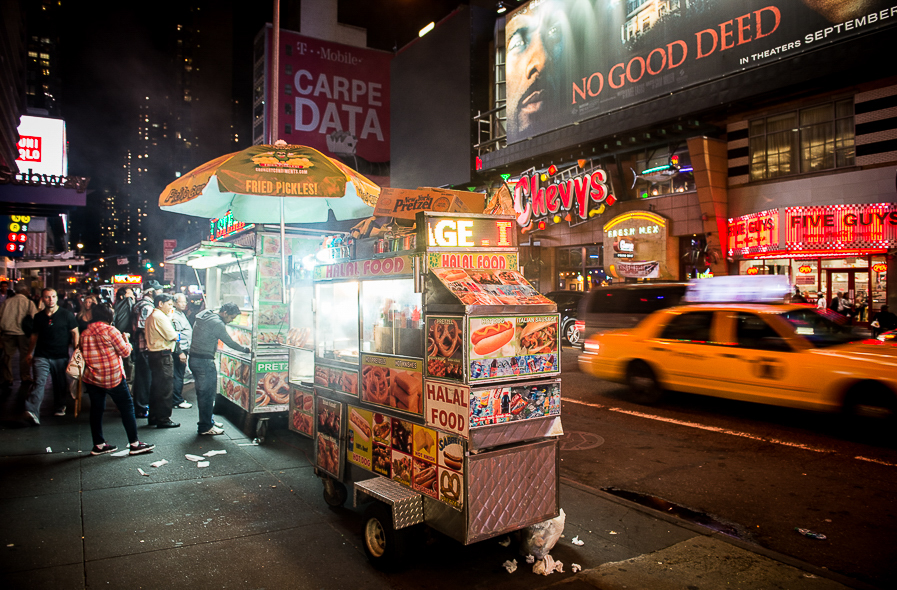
column 429, row 377
column 245, row 268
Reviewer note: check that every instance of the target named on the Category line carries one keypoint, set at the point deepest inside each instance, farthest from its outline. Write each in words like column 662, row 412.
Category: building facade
column 655, row 140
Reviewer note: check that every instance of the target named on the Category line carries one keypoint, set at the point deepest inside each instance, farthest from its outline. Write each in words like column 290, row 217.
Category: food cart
column 244, row 267
column 430, row 381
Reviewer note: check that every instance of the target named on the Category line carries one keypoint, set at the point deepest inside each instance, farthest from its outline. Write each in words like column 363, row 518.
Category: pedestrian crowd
column 136, row 352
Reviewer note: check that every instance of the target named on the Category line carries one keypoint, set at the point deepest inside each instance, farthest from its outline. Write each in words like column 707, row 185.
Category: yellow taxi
column 780, row 354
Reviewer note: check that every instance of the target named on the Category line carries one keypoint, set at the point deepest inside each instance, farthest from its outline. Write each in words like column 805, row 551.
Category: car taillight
column 580, row 326
column 591, row 346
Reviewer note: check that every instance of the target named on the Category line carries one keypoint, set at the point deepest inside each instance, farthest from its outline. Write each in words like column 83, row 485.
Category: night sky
column 111, row 58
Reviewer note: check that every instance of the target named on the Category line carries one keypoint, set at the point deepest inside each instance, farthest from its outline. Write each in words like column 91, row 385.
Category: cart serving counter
column 435, row 388
column 245, row 268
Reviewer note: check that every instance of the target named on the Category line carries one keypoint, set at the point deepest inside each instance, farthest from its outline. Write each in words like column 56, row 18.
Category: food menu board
column 392, row 382
column 337, row 379
column 508, row 346
column 272, row 389
column 301, row 411
column 359, row 434
column 234, row 377
column 490, row 287
column 273, row 319
column 329, row 422
column 444, row 347
column 509, row 404
column 423, row 459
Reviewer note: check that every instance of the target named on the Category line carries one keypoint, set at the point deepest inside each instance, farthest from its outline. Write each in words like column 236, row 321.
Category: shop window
column 803, row 141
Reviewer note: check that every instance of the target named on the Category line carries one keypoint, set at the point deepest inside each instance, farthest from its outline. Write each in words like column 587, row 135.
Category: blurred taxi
column 780, row 354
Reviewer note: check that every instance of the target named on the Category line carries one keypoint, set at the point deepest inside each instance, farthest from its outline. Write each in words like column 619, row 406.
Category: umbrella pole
column 283, row 255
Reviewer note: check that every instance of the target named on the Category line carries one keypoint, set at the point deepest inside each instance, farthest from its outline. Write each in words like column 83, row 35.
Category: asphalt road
column 755, row 471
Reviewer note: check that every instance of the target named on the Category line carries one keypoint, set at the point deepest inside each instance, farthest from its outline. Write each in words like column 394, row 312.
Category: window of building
column 288, row 129
column 803, row 141
column 289, row 69
column 288, row 89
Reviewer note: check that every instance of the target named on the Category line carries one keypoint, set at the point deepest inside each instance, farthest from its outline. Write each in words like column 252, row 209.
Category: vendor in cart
column 210, row 327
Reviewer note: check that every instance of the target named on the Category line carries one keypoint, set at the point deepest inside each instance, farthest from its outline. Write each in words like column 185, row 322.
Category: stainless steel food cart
column 434, row 389
column 245, row 268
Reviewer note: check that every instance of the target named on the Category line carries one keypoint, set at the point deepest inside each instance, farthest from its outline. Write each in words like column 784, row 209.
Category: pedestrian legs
column 206, row 379
column 160, row 405
column 178, row 381
column 142, row 382
column 36, row 395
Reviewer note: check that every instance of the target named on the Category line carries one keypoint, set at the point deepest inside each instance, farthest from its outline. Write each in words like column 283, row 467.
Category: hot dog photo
column 488, row 336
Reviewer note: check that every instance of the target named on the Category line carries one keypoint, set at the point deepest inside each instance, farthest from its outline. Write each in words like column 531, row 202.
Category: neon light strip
column 653, row 217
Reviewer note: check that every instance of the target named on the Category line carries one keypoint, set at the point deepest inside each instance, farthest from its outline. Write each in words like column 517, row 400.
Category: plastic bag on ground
column 548, row 566
column 539, row 539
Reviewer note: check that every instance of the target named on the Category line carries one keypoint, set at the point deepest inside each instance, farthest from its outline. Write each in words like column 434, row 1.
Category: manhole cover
column 576, row 440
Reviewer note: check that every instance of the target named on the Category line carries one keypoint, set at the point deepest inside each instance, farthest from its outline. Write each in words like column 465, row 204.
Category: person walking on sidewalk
column 104, row 347
column 55, row 329
column 210, row 327
column 13, row 337
column 121, row 319
column 142, row 375
column 185, row 335
column 161, row 340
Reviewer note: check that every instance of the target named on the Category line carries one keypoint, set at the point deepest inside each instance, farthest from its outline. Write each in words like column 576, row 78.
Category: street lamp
column 80, row 245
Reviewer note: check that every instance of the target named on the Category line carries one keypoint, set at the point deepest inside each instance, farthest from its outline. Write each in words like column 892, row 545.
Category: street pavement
column 256, row 518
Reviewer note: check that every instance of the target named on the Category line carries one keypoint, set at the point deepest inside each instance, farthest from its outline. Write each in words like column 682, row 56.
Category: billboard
column 570, row 61
column 42, row 146
column 335, row 99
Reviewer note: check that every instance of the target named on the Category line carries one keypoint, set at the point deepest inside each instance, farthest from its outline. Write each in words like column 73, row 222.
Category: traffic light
column 15, row 236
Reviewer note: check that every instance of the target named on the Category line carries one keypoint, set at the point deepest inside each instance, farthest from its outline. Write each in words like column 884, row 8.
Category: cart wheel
column 261, row 429
column 385, row 546
column 335, row 493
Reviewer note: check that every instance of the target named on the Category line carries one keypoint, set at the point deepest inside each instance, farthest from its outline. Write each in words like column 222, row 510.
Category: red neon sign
column 754, row 231
column 805, row 268
column 841, row 227
column 880, row 267
column 753, row 270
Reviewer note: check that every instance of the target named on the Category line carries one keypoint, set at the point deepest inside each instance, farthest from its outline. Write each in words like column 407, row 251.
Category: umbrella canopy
column 251, row 183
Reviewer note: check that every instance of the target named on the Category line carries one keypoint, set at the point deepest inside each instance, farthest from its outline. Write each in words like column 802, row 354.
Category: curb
column 703, row 531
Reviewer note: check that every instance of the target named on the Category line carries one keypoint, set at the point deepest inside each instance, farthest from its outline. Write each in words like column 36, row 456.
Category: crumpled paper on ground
column 510, row 565
column 548, row 566
column 577, row 541
column 575, row 567
column 213, row 453
column 193, row 457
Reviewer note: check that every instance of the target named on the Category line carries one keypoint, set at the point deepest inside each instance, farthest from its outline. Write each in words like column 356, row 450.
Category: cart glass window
column 391, row 318
column 237, row 282
column 337, row 321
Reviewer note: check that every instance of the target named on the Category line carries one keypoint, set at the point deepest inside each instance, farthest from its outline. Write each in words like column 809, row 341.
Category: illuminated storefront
column 824, row 250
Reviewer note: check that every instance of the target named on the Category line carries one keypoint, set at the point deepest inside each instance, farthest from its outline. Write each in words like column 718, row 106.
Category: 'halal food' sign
column 585, row 195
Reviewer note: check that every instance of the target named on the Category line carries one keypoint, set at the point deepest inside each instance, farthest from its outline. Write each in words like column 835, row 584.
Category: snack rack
column 245, row 268
column 435, row 383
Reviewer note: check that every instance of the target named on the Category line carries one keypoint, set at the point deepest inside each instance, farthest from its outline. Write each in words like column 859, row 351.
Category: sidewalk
column 256, row 518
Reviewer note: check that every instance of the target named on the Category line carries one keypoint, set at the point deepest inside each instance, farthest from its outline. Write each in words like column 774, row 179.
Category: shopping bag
column 75, row 368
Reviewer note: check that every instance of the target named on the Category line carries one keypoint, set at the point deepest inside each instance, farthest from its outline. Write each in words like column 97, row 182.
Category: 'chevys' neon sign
column 532, row 201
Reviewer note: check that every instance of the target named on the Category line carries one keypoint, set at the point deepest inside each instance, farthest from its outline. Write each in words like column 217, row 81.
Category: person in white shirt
column 161, row 339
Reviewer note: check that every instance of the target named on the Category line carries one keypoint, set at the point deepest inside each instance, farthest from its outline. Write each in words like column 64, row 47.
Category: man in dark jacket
column 210, row 327
column 121, row 319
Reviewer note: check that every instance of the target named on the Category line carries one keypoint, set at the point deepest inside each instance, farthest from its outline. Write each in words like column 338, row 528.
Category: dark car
column 568, row 304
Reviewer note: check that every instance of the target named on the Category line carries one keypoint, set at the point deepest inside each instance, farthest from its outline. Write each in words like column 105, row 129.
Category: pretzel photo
column 376, row 384
column 450, row 486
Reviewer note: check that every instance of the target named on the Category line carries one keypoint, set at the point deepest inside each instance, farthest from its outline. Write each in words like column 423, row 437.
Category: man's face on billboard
column 535, row 44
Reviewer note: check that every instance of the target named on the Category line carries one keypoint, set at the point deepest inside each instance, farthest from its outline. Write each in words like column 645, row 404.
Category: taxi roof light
column 738, row 289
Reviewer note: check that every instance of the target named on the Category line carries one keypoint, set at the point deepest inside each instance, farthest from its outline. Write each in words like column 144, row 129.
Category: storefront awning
column 207, row 254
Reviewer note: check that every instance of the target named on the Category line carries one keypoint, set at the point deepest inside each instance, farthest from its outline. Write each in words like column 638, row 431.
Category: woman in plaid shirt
column 103, row 347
